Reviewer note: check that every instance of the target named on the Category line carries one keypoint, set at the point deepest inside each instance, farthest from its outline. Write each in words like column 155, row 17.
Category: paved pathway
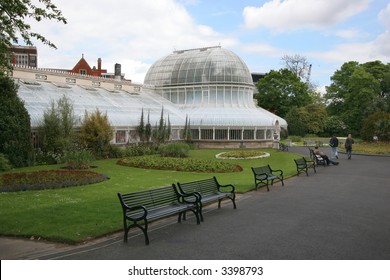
column 341, row 212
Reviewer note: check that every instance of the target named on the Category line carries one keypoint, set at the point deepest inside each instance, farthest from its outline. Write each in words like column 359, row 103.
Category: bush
column 180, row 164
column 78, row 159
column 376, row 124
column 96, row 133
column 4, row 163
column 116, row 152
column 138, row 150
column 295, row 138
column 179, row 150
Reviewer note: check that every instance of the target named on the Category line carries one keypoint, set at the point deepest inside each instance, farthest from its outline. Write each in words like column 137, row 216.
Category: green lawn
column 75, row 214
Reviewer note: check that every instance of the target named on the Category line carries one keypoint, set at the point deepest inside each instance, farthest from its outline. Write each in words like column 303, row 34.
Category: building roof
column 123, row 109
column 199, row 66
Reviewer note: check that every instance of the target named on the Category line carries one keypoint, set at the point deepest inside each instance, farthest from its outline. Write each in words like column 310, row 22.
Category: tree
column 96, row 133
column 13, row 22
column 141, row 127
column 376, row 124
column 281, row 90
column 357, row 91
column 297, row 119
column 318, row 117
column 15, row 126
column 298, row 65
column 58, row 125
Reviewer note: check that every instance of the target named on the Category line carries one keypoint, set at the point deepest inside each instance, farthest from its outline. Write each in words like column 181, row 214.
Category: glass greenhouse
column 210, row 87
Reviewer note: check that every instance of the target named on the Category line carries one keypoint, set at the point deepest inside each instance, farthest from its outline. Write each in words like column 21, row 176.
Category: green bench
column 207, row 191
column 265, row 174
column 140, row 208
column 303, row 165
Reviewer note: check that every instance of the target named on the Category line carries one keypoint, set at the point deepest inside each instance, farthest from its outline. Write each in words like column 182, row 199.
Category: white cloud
column 384, row 16
column 376, row 49
column 133, row 33
column 263, row 49
column 348, row 33
column 280, row 15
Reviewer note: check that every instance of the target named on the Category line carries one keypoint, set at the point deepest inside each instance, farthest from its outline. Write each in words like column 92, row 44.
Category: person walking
column 348, row 145
column 334, row 143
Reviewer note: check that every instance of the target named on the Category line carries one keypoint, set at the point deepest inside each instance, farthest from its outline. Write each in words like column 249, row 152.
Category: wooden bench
column 319, row 160
column 265, row 174
column 140, row 208
column 209, row 190
column 303, row 165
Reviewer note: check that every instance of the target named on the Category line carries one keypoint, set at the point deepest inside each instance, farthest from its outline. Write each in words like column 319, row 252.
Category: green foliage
column 57, row 129
column 180, row 164
column 48, row 179
column 377, row 124
column 14, row 21
column 78, row 159
column 15, row 128
column 297, row 119
column 141, row 127
column 96, row 133
column 139, row 150
column 4, row 163
column 179, row 150
column 187, row 136
column 281, row 90
column 295, row 138
column 357, row 91
column 334, row 125
column 116, row 152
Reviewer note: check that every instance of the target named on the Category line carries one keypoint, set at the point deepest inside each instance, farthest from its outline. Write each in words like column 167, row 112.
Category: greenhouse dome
column 213, row 87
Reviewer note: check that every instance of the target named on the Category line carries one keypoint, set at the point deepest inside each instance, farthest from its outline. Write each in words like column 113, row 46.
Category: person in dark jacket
column 334, row 144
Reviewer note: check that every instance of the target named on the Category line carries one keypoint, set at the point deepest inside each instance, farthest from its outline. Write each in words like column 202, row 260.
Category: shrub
column 138, row 150
column 180, row 164
column 78, row 159
column 96, row 133
column 116, row 152
column 179, row 150
column 295, row 138
column 4, row 163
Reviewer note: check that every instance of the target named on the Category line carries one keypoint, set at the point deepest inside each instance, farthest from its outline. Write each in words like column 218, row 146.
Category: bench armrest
column 127, row 209
column 277, row 170
column 192, row 198
column 232, row 188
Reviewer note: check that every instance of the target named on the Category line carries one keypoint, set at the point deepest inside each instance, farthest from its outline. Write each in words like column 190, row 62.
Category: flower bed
column 48, row 179
column 180, row 164
column 242, row 154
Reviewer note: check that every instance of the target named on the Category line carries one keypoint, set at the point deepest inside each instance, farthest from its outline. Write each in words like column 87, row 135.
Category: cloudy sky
column 136, row 33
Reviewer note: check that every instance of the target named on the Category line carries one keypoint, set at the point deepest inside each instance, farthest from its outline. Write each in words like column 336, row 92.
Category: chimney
column 118, row 71
column 99, row 62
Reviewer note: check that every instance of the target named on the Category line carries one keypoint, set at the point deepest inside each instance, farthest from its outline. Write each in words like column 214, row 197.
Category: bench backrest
column 153, row 198
column 203, row 187
column 261, row 170
column 300, row 161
